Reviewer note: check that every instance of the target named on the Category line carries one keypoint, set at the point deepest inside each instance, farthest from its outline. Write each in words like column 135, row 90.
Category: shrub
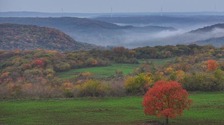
column 85, row 75
column 93, row 88
column 62, row 66
column 49, row 73
column 138, row 84
column 68, row 89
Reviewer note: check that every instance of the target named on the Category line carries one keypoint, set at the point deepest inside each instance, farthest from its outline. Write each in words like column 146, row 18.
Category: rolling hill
column 215, row 33
column 207, row 35
column 91, row 30
column 29, row 37
column 209, row 28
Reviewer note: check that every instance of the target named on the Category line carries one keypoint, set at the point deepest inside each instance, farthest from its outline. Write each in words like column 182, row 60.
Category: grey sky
column 104, row 6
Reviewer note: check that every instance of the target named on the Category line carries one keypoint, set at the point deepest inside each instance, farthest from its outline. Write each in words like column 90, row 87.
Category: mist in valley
column 133, row 39
column 173, row 30
column 130, row 31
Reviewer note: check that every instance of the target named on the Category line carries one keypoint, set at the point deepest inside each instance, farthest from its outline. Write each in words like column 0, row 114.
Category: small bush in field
column 68, row 88
column 93, row 88
column 85, row 75
column 138, row 84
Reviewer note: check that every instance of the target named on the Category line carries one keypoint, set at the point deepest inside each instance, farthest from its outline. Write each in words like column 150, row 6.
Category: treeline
column 157, row 52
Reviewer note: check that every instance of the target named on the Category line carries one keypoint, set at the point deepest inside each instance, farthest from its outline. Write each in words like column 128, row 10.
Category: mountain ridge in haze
column 208, row 28
column 90, row 30
column 217, row 39
column 217, row 42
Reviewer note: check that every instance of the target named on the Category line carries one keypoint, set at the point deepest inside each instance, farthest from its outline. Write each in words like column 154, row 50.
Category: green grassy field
column 100, row 72
column 108, row 71
column 207, row 109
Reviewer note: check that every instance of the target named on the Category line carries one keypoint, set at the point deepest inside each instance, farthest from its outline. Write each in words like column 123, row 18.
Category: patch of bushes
column 138, row 84
column 93, row 88
column 203, row 82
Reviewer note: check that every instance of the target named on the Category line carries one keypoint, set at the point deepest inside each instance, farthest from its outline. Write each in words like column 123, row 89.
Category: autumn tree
column 39, row 62
column 166, row 99
column 212, row 65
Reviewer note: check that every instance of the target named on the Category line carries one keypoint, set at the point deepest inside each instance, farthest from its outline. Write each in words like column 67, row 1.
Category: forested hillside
column 30, row 37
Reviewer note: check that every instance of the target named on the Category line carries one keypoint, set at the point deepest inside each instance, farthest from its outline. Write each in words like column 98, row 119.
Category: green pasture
column 100, row 72
column 109, row 71
column 207, row 109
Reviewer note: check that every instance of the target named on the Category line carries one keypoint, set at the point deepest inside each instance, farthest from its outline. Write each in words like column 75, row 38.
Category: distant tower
column 161, row 11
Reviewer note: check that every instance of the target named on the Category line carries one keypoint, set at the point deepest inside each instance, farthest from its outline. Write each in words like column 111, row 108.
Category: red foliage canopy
column 39, row 62
column 166, row 99
column 212, row 65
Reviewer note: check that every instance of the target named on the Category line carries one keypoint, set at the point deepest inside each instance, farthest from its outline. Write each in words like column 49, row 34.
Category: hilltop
column 29, row 37
column 209, row 28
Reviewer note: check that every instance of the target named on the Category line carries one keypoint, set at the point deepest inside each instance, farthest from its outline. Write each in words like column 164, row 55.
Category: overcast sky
column 104, row 6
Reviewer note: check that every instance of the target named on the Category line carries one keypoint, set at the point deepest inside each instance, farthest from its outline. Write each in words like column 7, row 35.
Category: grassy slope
column 108, row 71
column 208, row 108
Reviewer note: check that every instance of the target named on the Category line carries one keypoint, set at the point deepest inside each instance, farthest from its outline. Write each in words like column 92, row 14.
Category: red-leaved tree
column 212, row 65
column 166, row 99
column 39, row 62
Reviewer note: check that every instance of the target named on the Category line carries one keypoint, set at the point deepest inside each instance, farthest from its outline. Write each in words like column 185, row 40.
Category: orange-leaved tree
column 212, row 65
column 166, row 99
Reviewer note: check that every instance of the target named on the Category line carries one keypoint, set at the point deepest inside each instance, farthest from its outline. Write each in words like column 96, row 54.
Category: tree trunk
column 167, row 120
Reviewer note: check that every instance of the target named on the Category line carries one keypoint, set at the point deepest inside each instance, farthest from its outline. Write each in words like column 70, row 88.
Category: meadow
column 100, row 72
column 109, row 71
column 207, row 109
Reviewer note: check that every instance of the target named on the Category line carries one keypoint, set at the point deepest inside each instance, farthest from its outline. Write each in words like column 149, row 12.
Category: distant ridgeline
column 30, row 37
column 130, row 32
